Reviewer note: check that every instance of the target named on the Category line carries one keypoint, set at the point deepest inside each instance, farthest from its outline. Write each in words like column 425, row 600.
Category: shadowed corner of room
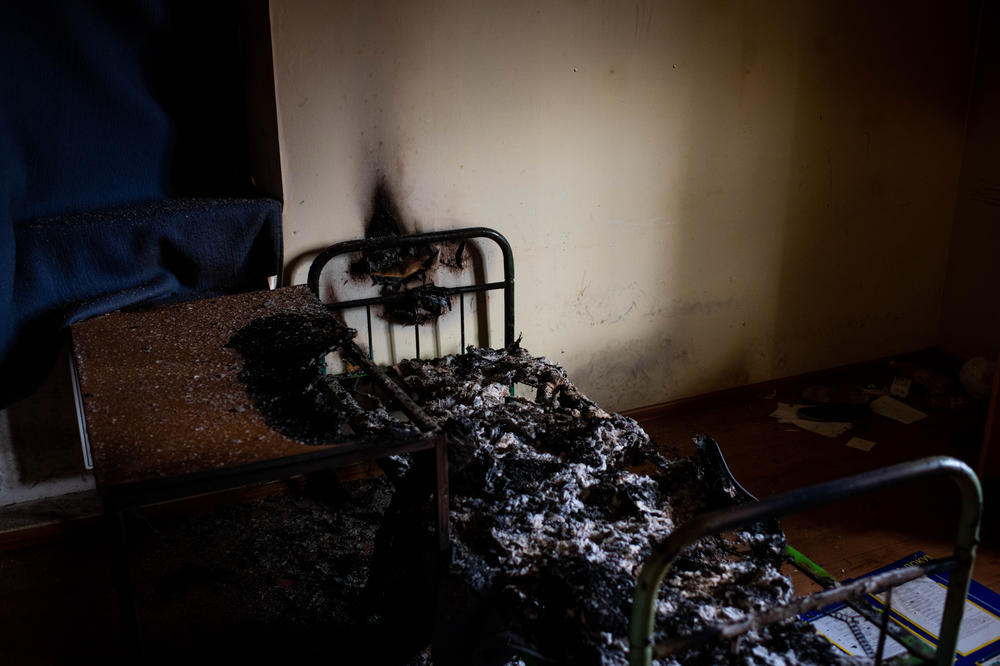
column 868, row 213
column 805, row 210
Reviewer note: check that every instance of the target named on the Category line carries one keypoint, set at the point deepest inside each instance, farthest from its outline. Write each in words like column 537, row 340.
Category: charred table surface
column 167, row 392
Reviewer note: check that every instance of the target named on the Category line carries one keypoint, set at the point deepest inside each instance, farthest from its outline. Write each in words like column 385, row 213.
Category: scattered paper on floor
column 917, row 608
column 922, row 602
column 858, row 443
column 852, row 633
column 891, row 408
column 786, row 413
column 900, row 387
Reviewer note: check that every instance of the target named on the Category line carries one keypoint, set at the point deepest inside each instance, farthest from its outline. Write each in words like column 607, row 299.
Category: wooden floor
column 850, row 538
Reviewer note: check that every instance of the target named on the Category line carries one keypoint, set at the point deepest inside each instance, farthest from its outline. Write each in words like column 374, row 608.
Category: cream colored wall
column 699, row 194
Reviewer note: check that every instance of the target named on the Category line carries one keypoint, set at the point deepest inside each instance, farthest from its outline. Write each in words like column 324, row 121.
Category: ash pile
column 555, row 504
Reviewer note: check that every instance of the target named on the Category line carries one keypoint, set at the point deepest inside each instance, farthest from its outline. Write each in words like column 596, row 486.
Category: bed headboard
column 414, row 281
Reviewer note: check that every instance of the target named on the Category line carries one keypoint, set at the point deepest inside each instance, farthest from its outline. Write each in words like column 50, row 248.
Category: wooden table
column 168, row 412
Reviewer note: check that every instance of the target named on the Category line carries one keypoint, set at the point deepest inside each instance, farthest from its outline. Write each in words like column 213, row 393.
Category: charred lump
column 403, row 272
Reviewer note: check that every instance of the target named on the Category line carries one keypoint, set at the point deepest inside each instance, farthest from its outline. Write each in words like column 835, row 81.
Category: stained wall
column 699, row 194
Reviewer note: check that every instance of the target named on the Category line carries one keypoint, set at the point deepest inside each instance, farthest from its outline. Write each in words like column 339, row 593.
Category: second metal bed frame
column 658, row 564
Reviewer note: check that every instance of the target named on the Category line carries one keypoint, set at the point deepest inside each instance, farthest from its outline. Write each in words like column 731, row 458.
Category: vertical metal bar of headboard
column 461, row 318
column 371, row 345
column 508, row 278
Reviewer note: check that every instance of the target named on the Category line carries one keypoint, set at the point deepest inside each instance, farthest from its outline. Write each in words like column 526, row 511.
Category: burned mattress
column 555, row 504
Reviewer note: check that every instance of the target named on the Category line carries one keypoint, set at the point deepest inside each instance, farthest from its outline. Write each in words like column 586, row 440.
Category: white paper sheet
column 921, row 601
column 786, row 413
column 893, row 409
column 842, row 628
column 858, row 443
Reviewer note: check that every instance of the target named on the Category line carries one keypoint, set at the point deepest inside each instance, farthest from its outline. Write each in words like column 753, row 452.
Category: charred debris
column 285, row 376
column 405, row 273
column 555, row 504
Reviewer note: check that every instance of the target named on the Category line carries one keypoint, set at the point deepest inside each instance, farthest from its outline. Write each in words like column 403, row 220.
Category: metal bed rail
column 816, row 573
column 653, row 571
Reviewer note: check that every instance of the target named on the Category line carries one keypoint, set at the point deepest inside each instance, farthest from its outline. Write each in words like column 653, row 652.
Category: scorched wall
column 699, row 194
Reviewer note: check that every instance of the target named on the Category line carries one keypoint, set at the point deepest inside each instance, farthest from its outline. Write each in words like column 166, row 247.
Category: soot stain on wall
column 405, row 272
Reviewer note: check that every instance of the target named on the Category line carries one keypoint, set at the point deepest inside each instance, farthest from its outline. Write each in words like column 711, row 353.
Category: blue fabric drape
column 121, row 125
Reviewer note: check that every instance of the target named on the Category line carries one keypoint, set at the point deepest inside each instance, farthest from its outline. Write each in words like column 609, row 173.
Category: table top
column 165, row 392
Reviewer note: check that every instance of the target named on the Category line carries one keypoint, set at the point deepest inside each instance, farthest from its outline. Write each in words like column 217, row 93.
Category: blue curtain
column 124, row 176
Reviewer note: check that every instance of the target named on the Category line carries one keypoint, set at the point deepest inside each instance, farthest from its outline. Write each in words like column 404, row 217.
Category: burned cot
column 556, row 503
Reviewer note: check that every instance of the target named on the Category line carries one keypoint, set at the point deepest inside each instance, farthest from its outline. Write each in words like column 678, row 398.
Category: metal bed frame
column 381, row 243
column 658, row 564
column 367, row 362
column 123, row 497
column 749, row 510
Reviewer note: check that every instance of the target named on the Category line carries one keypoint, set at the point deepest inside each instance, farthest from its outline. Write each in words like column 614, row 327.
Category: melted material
column 555, row 504
column 284, row 373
